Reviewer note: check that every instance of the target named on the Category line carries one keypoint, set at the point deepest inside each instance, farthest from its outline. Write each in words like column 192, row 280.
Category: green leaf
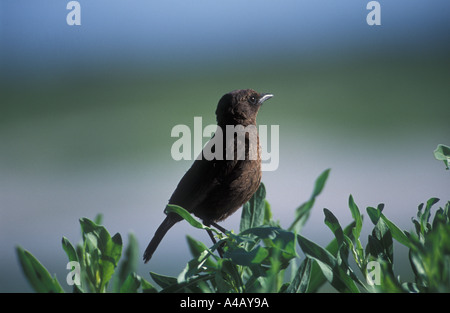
column 411, row 287
column 103, row 253
column 280, row 239
column 223, row 286
column 131, row 284
column 162, row 280
column 98, row 219
column 320, row 183
column 267, row 213
column 442, row 153
column 355, row 243
column 329, row 265
column 356, row 214
column 317, row 278
column 194, row 267
column 197, row 248
column 129, row 262
column 227, row 277
column 195, row 284
column 303, row 211
column 442, row 216
column 422, row 225
column 418, row 267
column 384, row 235
column 253, row 211
column 97, row 234
column 73, row 257
column 343, row 241
column 172, row 208
column 69, row 249
column 332, row 222
column 397, row 233
column 374, row 214
column 300, row 282
column 37, row 275
column 147, row 287
column 425, row 217
column 269, row 232
column 110, row 258
column 243, row 257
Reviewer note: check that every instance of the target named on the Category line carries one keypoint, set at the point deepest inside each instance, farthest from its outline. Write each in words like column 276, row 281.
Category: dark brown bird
column 214, row 188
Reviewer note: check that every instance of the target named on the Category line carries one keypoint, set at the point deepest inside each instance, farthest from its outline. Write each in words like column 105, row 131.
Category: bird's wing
column 206, row 175
column 203, row 176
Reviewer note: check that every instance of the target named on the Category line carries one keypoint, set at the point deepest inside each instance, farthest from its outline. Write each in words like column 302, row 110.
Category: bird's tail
column 168, row 222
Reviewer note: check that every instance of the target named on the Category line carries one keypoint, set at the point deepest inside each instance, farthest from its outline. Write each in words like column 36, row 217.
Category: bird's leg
column 223, row 230
column 211, row 235
column 219, row 249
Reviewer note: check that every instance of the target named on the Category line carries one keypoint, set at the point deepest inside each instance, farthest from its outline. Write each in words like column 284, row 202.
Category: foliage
column 442, row 153
column 260, row 257
column 98, row 257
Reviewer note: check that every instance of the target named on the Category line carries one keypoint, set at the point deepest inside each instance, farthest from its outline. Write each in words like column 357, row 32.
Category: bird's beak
column 264, row 97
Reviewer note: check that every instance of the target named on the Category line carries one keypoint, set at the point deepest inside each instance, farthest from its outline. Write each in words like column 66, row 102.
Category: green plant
column 442, row 153
column 98, row 258
column 264, row 257
column 255, row 260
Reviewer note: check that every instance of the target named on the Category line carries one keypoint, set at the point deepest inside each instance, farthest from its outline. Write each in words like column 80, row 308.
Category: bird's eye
column 252, row 100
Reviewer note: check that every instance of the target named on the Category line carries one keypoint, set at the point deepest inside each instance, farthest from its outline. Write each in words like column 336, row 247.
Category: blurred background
column 86, row 113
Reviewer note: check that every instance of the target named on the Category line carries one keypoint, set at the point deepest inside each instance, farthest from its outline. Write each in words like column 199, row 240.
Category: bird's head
column 240, row 107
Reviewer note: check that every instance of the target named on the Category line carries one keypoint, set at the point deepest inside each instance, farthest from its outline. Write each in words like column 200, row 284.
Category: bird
column 214, row 188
